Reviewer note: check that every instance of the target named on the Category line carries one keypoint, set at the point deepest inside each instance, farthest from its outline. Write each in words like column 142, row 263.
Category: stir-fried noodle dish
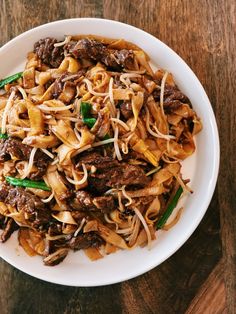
column 92, row 140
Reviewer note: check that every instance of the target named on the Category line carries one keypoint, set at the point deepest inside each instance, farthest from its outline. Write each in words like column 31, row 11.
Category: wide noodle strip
column 91, row 144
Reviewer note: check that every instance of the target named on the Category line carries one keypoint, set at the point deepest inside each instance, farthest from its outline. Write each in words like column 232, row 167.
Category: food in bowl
column 91, row 144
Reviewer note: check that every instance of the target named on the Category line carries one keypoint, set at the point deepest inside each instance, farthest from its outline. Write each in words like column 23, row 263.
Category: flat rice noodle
column 197, row 127
column 39, row 193
column 3, row 102
column 32, row 61
column 15, row 111
column 41, row 141
column 152, row 211
column 165, row 174
column 36, row 120
column 142, row 237
column 109, row 248
column 142, row 129
column 155, row 111
column 149, row 191
column 174, row 221
column 174, row 119
column 44, row 77
column 29, row 77
column 69, row 229
column 100, row 78
column 36, row 241
column 136, row 103
column 182, row 151
column 107, row 234
column 68, row 92
column 86, row 137
column 65, row 133
column 122, row 94
column 93, row 253
column 143, row 61
column 135, row 232
column 37, row 90
column 65, row 217
column 115, row 216
column 139, row 146
column 69, row 64
column 64, row 154
column 91, row 225
column 184, row 111
column 77, row 177
column 23, row 237
column 19, row 217
column 57, row 103
column 3, row 209
column 48, row 94
column 98, row 68
column 56, row 183
column 149, row 84
column 169, row 80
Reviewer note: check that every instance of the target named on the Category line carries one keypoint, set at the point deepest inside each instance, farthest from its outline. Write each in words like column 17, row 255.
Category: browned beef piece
column 172, row 97
column 92, row 49
column 111, row 173
column 14, row 147
column 95, row 159
column 33, row 208
column 176, row 95
column 117, row 176
column 59, row 84
column 82, row 201
column 9, row 228
column 41, row 161
column 54, row 229
column 85, row 201
column 126, row 109
column 125, row 58
column 2, row 221
column 50, row 55
column 56, row 257
column 105, row 204
column 86, row 240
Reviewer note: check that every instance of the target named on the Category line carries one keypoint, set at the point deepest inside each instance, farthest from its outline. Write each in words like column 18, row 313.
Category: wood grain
column 211, row 298
column 203, row 34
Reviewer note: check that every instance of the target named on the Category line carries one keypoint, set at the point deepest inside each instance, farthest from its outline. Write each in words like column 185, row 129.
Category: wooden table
column 201, row 276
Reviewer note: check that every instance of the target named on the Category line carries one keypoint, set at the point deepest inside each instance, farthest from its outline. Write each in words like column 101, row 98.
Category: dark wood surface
column 201, row 276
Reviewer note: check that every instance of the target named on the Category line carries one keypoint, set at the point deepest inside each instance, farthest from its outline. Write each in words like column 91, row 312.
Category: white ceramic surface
column 201, row 168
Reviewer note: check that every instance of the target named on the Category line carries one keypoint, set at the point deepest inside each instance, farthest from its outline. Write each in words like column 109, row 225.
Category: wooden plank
column 211, row 299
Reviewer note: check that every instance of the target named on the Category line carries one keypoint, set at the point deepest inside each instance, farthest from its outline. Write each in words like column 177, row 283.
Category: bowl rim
column 216, row 145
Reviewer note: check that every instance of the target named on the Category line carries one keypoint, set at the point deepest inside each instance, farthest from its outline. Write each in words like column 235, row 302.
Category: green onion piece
column 28, row 183
column 10, row 79
column 3, row 136
column 89, row 122
column 169, row 209
column 85, row 109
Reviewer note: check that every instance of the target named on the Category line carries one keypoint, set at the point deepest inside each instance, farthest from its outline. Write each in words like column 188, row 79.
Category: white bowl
column 201, row 168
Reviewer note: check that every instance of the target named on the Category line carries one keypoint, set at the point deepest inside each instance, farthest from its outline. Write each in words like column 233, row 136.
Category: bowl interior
column 201, row 168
